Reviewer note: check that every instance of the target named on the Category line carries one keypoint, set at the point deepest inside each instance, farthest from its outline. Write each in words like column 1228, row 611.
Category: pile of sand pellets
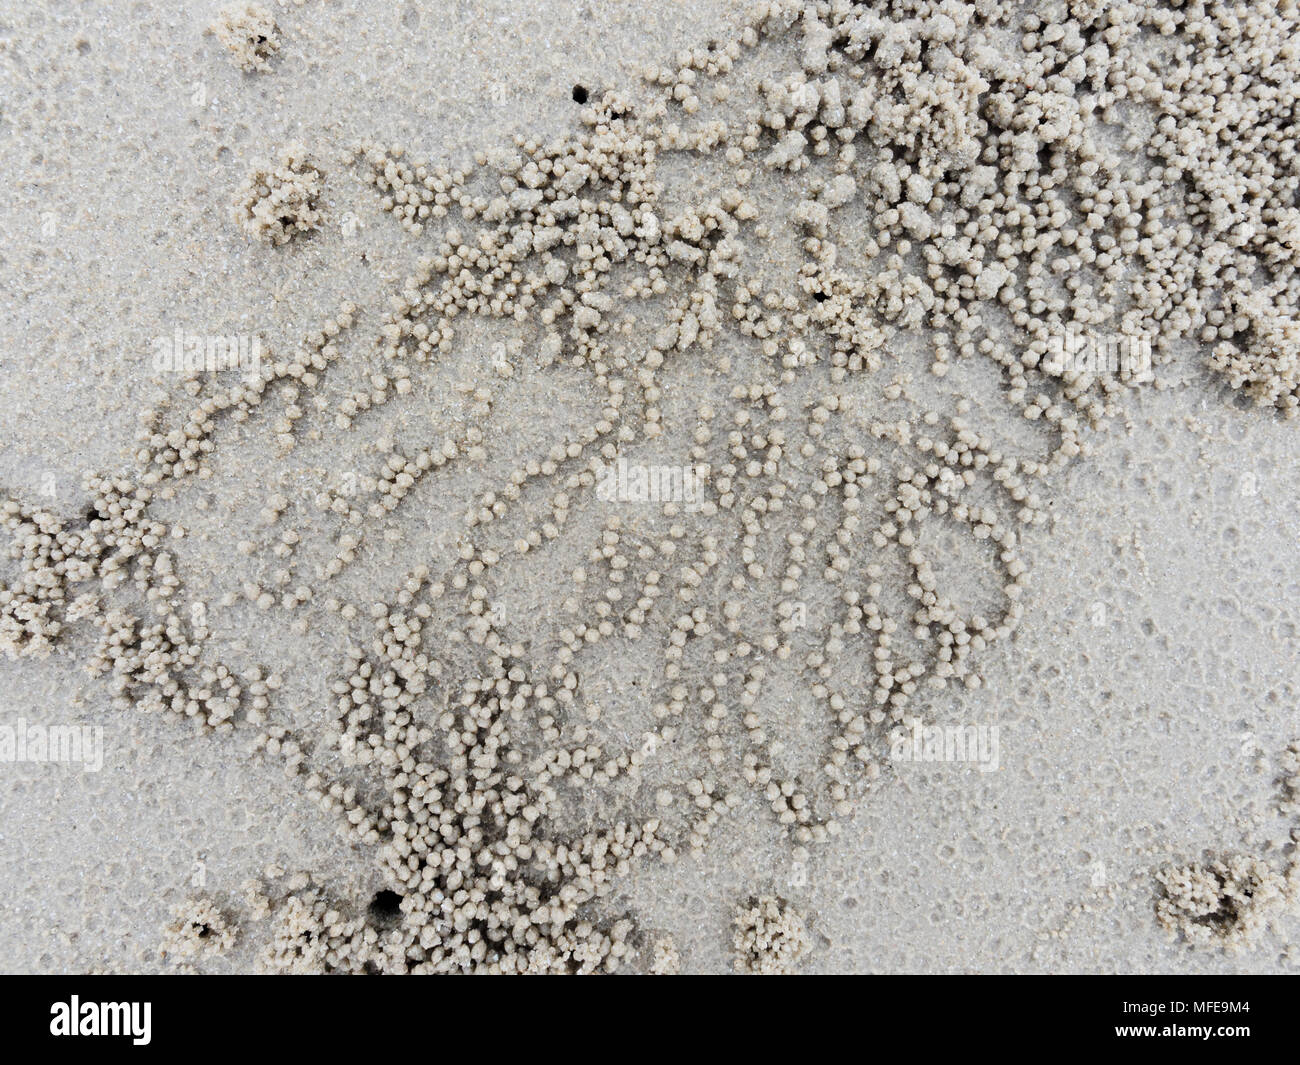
column 249, row 31
column 279, row 203
column 1227, row 902
column 770, row 938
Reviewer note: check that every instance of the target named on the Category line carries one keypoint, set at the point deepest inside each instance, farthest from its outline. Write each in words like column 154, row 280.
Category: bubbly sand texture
column 399, row 581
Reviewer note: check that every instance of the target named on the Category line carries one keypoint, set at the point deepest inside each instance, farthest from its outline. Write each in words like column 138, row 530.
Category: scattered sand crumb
column 276, row 205
column 665, row 960
column 249, row 31
column 1226, row 903
column 1290, row 803
column 200, row 930
column 255, row 898
column 770, row 937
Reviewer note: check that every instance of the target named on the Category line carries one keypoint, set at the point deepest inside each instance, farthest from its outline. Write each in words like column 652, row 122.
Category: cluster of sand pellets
column 1230, row 901
column 770, row 938
column 281, row 202
column 199, row 930
column 1227, row 902
column 249, row 31
column 1011, row 193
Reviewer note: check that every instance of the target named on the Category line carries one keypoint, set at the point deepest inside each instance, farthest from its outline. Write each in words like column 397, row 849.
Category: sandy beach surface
column 1142, row 707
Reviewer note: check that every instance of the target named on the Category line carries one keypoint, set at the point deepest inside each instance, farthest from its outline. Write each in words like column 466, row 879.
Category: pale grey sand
column 1143, row 704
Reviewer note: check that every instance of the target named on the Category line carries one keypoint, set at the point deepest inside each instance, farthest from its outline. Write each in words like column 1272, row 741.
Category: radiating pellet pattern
column 951, row 178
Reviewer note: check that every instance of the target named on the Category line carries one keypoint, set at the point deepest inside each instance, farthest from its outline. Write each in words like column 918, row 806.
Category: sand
column 1143, row 704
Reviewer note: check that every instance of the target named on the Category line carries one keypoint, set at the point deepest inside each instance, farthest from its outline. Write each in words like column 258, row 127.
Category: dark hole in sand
column 386, row 906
